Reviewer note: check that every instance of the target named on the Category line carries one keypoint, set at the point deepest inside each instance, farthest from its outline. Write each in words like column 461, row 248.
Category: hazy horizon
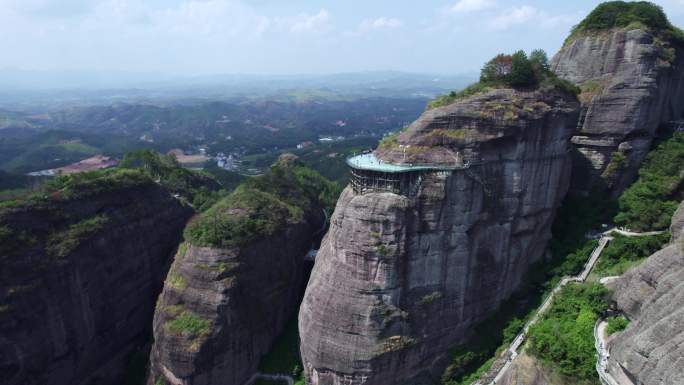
column 194, row 38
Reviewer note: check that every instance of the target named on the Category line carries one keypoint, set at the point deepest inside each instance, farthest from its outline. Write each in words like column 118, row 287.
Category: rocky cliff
column 632, row 82
column 400, row 279
column 651, row 350
column 81, row 267
column 238, row 279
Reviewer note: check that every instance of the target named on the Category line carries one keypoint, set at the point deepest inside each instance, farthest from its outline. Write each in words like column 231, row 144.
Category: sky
column 202, row 37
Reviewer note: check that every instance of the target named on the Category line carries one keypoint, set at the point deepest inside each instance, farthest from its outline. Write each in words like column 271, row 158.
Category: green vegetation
column 229, row 180
column 622, row 14
column 616, row 324
column 569, row 246
column 570, row 250
column 511, row 71
column 284, row 355
column 472, row 359
column 445, row 100
column 624, row 252
column 428, row 299
column 188, row 324
column 177, row 282
column 62, row 243
column 13, row 240
column 563, row 339
column 618, row 161
column 262, row 205
column 61, row 229
column 79, row 186
column 200, row 189
column 648, row 204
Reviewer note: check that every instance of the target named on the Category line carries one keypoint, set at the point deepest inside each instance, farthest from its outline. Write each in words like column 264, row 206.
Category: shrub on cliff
column 200, row 189
column 622, row 14
column 80, row 186
column 564, row 337
column 262, row 205
column 648, row 204
column 514, row 71
column 617, row 324
column 623, row 252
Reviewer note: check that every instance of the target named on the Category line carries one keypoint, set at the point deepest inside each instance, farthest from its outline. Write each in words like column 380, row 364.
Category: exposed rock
column 238, row 297
column 677, row 225
column 79, row 280
column 398, row 280
column 526, row 370
column 651, row 350
column 632, row 83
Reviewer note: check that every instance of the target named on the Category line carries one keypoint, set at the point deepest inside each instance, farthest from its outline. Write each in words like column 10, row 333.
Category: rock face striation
column 632, row 82
column 400, row 279
column 224, row 304
column 651, row 350
column 81, row 269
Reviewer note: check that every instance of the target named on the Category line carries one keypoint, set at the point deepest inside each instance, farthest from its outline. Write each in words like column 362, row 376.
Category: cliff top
column 514, row 92
column 79, row 186
column 642, row 15
column 458, row 130
column 138, row 168
column 70, row 209
column 262, row 205
column 516, row 71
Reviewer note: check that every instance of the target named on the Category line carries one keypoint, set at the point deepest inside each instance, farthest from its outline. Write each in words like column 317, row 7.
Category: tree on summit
column 497, row 68
column 514, row 70
column 522, row 73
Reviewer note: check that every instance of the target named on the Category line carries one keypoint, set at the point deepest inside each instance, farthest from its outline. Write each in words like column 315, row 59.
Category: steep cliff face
column 398, row 280
column 651, row 350
column 81, row 269
column 228, row 295
column 632, row 83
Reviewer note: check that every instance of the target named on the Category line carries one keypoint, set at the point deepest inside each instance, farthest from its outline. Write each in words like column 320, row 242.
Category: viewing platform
column 370, row 174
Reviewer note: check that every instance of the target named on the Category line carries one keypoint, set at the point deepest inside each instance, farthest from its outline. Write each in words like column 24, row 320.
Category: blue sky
column 196, row 37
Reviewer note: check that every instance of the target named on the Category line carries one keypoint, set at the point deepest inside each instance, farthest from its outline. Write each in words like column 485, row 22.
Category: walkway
column 504, row 362
column 603, row 354
column 270, row 377
column 631, row 233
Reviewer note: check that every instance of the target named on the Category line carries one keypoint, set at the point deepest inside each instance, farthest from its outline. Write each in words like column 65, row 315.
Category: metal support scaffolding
column 402, row 183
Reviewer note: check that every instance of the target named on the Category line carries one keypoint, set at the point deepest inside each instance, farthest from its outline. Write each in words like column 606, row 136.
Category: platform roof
column 370, row 162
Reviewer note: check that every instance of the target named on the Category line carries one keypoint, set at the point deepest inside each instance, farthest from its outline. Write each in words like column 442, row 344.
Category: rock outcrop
column 226, row 300
column 81, row 268
column 400, row 279
column 651, row 350
column 632, row 83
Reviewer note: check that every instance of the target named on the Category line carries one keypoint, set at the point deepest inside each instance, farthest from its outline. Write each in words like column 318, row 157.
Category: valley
column 523, row 227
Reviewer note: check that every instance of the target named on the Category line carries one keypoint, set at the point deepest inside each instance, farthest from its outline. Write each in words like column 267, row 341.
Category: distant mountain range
column 31, row 88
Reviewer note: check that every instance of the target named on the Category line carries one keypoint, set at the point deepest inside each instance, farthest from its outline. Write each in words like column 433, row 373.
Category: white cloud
column 513, row 16
column 379, row 23
column 308, row 23
column 531, row 16
column 467, row 6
